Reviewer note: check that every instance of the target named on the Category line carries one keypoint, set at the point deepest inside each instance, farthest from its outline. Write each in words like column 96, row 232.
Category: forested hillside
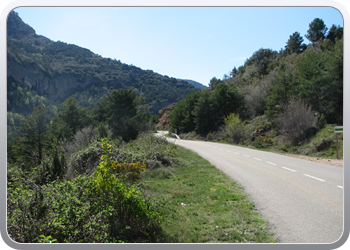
column 284, row 93
column 43, row 72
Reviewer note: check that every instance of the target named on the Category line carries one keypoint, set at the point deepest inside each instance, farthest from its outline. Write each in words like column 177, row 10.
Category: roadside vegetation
column 102, row 176
column 146, row 190
column 276, row 100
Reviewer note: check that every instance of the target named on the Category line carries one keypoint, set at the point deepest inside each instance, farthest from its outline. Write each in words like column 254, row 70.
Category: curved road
column 302, row 201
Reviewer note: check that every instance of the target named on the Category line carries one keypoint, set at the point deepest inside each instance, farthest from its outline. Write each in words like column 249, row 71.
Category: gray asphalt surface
column 302, row 201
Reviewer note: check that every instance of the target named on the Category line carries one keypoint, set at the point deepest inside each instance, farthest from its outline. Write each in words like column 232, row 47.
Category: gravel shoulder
column 334, row 162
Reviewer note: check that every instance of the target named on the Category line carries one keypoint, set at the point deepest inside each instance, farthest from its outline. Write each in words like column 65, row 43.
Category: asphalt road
column 302, row 201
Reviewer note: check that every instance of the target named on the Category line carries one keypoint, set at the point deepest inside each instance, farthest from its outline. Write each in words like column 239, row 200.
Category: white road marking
column 339, row 186
column 214, row 147
column 246, row 155
column 257, row 159
column 220, row 148
column 228, row 151
column 289, row 169
column 236, row 153
column 313, row 177
column 271, row 163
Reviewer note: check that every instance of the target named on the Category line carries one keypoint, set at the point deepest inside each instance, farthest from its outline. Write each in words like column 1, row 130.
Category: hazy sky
column 196, row 43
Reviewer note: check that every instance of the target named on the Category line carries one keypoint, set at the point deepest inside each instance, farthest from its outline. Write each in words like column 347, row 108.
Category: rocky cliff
column 57, row 70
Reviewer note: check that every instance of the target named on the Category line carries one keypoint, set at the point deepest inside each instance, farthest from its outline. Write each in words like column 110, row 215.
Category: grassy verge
column 204, row 205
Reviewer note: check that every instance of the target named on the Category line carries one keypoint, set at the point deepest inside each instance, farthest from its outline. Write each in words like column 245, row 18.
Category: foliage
column 71, row 117
column 182, row 117
column 320, row 121
column 262, row 141
column 121, row 111
column 204, row 111
column 335, row 32
column 34, row 135
column 98, row 208
column 280, row 92
column 234, row 129
column 261, row 59
column 108, row 165
column 295, row 43
column 53, row 166
column 317, row 30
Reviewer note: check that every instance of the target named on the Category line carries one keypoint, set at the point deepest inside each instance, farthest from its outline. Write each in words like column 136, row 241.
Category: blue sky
column 196, row 43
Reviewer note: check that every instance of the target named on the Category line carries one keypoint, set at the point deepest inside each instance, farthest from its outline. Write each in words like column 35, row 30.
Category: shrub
column 263, row 141
column 84, row 160
column 96, row 208
column 321, row 121
column 234, row 128
column 295, row 119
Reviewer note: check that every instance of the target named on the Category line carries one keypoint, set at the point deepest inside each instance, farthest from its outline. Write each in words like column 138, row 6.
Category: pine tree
column 317, row 31
column 34, row 135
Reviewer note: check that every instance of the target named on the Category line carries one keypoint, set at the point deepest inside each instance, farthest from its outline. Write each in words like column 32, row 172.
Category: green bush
column 234, row 128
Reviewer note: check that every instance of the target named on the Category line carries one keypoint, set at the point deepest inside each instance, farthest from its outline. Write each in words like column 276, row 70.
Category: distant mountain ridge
column 195, row 84
column 41, row 70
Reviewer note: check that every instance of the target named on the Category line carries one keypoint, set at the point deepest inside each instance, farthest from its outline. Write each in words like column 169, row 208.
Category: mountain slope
column 40, row 69
column 195, row 84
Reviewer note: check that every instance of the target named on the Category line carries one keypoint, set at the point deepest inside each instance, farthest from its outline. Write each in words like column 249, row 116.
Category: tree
column 317, row 31
column 233, row 72
column 121, row 110
column 70, row 118
column 34, row 135
column 213, row 82
column 295, row 43
column 335, row 32
column 313, row 80
column 262, row 58
column 226, row 99
column 204, row 114
column 333, row 100
column 280, row 92
column 182, row 117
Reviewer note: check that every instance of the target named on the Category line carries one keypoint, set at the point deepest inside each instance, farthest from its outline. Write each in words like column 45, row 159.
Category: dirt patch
column 164, row 117
column 334, row 162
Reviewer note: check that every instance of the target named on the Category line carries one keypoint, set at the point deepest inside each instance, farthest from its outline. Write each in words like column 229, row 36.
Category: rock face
column 56, row 87
column 56, row 71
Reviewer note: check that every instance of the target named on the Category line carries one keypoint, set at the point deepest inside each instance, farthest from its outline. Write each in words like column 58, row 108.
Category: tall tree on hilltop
column 295, row 43
column 335, row 32
column 317, row 31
